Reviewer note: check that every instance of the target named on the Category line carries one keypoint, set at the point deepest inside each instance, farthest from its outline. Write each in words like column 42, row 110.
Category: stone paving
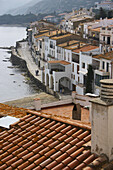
column 28, row 102
column 25, row 54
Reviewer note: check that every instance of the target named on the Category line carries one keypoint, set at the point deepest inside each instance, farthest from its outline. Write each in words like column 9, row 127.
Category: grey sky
column 6, row 5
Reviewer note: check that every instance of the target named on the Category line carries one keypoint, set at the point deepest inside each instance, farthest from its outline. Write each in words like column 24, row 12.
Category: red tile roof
column 85, row 48
column 60, row 62
column 39, row 142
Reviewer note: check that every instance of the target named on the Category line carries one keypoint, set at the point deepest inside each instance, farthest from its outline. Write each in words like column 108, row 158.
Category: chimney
column 102, row 120
column 37, row 104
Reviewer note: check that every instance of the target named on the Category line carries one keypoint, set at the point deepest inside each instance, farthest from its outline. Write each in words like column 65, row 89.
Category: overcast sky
column 6, row 5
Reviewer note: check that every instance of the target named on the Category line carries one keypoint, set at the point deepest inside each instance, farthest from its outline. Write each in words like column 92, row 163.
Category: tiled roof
column 61, row 36
column 107, row 56
column 12, row 111
column 85, row 48
column 96, row 29
column 39, row 142
column 68, row 43
column 60, row 62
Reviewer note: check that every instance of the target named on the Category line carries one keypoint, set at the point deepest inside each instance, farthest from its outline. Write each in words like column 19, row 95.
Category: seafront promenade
column 25, row 54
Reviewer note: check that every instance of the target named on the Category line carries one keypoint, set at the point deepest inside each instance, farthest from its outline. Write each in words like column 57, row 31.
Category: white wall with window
column 85, row 61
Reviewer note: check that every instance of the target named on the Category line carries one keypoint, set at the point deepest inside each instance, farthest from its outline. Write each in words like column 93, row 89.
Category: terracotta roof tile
column 85, row 48
column 60, row 62
column 38, row 142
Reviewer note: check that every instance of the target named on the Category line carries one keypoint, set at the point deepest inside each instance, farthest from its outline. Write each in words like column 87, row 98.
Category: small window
column 74, row 77
column 103, row 38
column 109, row 29
column 103, row 28
column 72, row 67
column 107, row 67
column 77, row 69
column 78, row 79
column 83, row 65
column 103, row 65
column 68, row 56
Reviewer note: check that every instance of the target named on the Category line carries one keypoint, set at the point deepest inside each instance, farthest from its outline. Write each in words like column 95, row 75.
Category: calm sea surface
column 13, row 80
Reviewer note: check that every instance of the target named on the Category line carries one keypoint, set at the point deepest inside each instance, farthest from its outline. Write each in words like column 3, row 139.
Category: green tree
column 89, row 80
column 110, row 14
column 102, row 13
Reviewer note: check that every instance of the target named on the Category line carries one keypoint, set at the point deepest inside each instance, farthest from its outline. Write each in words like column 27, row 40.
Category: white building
column 83, row 58
column 57, row 75
column 106, row 35
column 91, row 27
column 108, row 5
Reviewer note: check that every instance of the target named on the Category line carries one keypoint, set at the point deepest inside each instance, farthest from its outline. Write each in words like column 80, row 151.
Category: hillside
column 49, row 6
column 23, row 9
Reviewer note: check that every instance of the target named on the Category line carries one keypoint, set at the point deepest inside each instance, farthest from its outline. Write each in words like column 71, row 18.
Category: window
column 68, row 56
column 72, row 67
column 78, row 79
column 103, row 65
column 83, row 65
column 64, row 55
column 51, row 44
column 74, row 77
column 77, row 69
column 104, row 38
column 107, row 67
column 103, row 28
column 109, row 29
column 98, row 78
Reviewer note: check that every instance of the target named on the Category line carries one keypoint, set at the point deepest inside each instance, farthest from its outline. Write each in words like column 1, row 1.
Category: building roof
column 107, row 56
column 6, row 110
column 85, row 48
column 75, row 46
column 40, row 142
column 49, row 34
column 71, row 42
column 60, row 62
column 61, row 36
column 49, row 16
column 96, row 29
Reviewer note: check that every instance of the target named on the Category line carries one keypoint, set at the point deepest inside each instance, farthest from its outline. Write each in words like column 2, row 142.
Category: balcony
column 102, row 73
column 57, row 70
column 99, row 75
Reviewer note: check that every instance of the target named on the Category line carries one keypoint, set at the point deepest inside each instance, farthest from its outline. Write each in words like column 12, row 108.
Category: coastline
column 21, row 56
column 13, row 25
